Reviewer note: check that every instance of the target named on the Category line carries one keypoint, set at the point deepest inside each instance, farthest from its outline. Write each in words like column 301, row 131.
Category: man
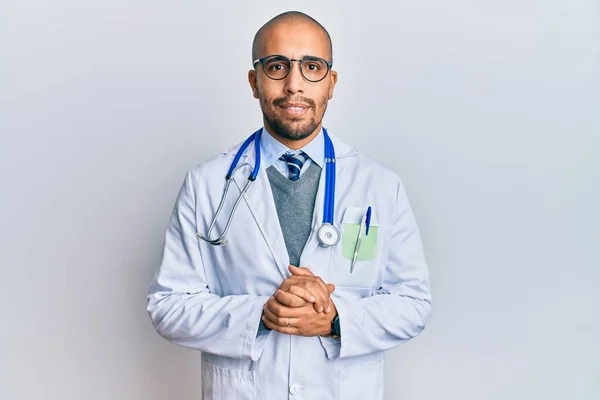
column 267, row 328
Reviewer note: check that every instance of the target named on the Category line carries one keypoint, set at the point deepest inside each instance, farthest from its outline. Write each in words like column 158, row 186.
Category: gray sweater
column 295, row 203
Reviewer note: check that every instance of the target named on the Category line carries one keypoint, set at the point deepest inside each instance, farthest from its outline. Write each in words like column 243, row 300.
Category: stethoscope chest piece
column 328, row 235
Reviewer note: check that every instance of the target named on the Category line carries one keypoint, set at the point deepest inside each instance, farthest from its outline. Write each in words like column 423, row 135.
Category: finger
column 316, row 280
column 302, row 293
column 331, row 287
column 318, row 307
column 326, row 292
column 319, row 303
column 300, row 327
column 277, row 308
column 300, row 271
column 291, row 280
column 274, row 318
column 289, row 299
column 285, row 285
column 320, row 291
column 314, row 285
column 282, row 311
column 302, row 277
column 281, row 329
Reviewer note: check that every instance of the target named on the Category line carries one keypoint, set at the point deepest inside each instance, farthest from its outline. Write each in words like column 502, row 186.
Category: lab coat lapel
column 259, row 199
column 315, row 257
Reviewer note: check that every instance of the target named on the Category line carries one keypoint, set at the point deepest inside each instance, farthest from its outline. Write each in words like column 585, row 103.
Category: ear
column 252, row 79
column 333, row 77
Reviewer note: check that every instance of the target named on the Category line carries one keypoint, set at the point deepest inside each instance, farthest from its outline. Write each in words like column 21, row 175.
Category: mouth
column 294, row 109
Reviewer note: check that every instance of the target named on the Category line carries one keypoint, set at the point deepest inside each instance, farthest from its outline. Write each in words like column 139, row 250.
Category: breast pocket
column 366, row 268
column 220, row 383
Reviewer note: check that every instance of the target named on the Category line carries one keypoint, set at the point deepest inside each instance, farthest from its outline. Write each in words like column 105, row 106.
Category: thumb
column 331, row 287
column 300, row 271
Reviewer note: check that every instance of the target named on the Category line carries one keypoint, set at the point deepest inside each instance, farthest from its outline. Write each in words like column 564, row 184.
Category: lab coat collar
column 341, row 150
column 272, row 149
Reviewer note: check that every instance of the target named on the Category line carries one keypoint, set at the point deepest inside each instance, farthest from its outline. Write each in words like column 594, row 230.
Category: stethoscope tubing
column 328, row 209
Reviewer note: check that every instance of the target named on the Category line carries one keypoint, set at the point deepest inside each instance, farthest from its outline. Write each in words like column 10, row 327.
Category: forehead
column 295, row 39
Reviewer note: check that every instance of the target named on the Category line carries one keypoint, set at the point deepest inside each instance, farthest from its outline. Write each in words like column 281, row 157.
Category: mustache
column 303, row 100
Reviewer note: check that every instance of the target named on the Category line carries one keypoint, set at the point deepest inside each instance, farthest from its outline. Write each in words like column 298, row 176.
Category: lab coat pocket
column 220, row 383
column 365, row 270
column 361, row 382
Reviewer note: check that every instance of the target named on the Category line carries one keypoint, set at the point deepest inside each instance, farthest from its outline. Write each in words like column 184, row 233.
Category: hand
column 303, row 287
column 300, row 321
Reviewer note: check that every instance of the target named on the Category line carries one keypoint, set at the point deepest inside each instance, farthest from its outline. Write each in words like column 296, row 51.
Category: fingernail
column 312, row 299
column 321, row 309
column 329, row 309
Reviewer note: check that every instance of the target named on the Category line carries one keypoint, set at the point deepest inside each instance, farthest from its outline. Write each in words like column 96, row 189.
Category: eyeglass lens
column 312, row 68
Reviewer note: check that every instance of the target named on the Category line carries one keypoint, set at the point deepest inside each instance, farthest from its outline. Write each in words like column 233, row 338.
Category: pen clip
column 368, row 223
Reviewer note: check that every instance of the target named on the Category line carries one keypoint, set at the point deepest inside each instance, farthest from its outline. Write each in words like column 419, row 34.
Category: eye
column 276, row 66
column 312, row 66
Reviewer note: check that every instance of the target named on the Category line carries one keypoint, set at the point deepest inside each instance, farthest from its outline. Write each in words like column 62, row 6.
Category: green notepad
column 368, row 246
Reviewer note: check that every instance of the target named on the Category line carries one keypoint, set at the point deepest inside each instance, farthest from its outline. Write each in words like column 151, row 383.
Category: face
column 293, row 107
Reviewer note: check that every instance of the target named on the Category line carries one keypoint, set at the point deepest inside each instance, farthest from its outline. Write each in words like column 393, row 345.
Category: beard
column 292, row 128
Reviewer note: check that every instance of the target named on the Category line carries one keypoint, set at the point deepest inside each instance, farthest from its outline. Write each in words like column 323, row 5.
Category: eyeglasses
column 277, row 67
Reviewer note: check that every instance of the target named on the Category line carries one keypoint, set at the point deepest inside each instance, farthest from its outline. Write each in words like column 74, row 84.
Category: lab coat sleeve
column 399, row 309
column 180, row 304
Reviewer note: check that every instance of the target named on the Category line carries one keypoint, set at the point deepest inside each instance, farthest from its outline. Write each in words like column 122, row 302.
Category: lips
column 294, row 105
column 294, row 108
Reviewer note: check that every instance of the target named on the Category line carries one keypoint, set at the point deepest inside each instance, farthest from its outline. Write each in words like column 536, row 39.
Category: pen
column 363, row 222
column 368, row 220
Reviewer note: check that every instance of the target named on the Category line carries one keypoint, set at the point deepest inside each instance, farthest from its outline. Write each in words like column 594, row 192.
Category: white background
column 490, row 111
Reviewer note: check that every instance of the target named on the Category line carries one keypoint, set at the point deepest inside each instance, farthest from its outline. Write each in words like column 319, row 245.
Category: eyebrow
column 302, row 57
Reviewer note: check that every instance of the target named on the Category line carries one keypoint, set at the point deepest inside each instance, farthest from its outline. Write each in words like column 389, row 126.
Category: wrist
column 335, row 327
column 327, row 331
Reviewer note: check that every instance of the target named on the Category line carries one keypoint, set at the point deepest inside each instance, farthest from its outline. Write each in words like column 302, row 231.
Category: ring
column 289, row 321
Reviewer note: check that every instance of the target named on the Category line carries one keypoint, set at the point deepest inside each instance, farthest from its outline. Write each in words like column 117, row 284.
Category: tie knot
column 295, row 160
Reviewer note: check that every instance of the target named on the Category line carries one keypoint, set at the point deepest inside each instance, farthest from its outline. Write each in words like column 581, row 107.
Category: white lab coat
column 210, row 298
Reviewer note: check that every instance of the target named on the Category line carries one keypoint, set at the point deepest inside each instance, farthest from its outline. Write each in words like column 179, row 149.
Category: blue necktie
column 295, row 160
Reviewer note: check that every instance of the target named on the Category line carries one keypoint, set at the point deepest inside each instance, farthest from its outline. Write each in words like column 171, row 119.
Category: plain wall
column 490, row 111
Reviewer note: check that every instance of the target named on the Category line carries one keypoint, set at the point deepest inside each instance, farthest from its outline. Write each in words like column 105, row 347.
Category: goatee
column 287, row 129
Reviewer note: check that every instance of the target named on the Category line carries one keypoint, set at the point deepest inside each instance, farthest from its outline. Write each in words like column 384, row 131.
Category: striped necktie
column 295, row 160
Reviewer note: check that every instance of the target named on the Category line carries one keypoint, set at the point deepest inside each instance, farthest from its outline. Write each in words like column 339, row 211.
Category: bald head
column 287, row 17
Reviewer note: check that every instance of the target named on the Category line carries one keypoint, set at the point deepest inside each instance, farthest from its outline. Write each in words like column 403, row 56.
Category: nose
column 294, row 82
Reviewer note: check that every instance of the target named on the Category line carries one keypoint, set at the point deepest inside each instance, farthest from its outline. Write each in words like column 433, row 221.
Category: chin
column 291, row 128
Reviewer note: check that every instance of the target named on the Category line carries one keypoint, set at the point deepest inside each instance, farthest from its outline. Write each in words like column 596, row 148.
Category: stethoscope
column 328, row 235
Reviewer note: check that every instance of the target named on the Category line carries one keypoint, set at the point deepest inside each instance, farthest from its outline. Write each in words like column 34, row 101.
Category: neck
column 294, row 144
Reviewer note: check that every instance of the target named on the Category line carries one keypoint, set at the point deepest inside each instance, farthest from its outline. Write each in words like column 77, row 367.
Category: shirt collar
column 271, row 149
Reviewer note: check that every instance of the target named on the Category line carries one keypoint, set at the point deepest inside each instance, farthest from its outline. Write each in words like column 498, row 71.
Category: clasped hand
column 301, row 306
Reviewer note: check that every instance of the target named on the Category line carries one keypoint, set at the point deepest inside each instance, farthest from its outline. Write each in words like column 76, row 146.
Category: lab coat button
column 295, row 389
